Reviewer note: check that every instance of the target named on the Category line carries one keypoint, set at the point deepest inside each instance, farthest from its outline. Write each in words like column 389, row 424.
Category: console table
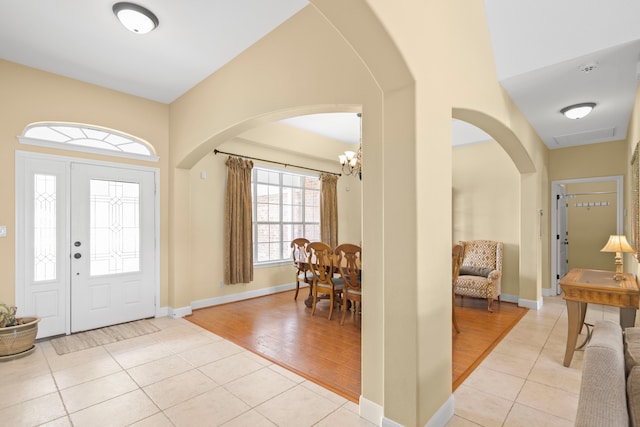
column 582, row 286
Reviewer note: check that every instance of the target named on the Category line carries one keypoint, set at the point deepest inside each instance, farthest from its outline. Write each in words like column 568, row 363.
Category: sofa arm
column 603, row 398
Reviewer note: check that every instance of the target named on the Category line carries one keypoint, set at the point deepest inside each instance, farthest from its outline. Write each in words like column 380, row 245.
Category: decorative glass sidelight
column 114, row 227
column 44, row 227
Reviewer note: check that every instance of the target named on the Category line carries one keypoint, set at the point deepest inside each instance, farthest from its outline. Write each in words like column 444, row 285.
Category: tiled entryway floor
column 523, row 382
column 187, row 376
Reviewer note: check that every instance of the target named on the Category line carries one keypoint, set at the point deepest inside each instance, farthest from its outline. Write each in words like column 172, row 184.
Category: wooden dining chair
column 456, row 262
column 299, row 255
column 321, row 262
column 348, row 261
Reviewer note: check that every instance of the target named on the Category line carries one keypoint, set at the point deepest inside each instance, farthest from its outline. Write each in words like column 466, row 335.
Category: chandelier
column 351, row 161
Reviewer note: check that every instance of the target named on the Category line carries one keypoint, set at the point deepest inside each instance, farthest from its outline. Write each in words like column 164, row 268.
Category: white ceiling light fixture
column 135, row 18
column 578, row 111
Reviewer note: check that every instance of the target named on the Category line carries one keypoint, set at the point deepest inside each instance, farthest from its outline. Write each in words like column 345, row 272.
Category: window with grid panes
column 285, row 206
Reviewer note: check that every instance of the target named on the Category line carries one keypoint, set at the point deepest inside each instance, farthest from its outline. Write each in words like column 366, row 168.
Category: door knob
column 77, row 255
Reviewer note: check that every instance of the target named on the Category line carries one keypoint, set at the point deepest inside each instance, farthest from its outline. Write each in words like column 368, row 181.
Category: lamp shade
column 617, row 243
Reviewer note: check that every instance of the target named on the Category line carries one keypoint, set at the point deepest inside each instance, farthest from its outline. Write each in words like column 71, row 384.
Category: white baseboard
column 177, row 313
column 374, row 413
column 530, row 304
column 508, row 298
column 442, row 415
column 209, row 302
column 371, row 411
column 548, row 292
column 386, row 422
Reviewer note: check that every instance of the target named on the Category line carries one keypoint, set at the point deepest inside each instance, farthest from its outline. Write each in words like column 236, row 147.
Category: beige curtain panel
column 329, row 209
column 238, row 251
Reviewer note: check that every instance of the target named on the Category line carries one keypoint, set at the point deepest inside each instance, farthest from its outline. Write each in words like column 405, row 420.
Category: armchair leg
column 490, row 304
column 295, row 297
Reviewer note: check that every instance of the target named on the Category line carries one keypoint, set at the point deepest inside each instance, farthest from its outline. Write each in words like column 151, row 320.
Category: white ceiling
column 539, row 48
column 344, row 127
column 84, row 40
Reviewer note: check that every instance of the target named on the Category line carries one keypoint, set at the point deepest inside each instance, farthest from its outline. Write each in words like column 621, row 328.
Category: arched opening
column 486, row 196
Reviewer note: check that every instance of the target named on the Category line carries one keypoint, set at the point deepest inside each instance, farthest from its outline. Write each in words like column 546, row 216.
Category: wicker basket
column 19, row 338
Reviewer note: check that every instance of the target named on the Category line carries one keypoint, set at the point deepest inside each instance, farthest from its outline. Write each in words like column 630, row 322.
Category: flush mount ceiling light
column 135, row 18
column 578, row 111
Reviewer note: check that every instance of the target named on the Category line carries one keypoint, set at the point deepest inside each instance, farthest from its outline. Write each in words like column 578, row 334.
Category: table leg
column 627, row 317
column 576, row 312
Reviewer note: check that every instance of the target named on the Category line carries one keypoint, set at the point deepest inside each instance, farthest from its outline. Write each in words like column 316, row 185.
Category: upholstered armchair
column 481, row 271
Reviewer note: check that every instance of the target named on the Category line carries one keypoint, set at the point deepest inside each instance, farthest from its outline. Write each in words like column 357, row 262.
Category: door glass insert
column 44, row 227
column 114, row 227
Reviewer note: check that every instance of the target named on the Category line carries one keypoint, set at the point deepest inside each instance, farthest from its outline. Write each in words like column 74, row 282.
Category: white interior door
column 562, row 236
column 86, row 252
column 112, row 246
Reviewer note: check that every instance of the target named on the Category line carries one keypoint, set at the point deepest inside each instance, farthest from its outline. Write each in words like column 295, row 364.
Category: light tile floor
column 523, row 382
column 187, row 376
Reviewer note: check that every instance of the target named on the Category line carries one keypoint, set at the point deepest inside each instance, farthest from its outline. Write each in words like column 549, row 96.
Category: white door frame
column 20, row 158
column 555, row 191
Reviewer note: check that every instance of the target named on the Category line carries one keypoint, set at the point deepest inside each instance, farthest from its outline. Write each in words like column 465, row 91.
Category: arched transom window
column 87, row 138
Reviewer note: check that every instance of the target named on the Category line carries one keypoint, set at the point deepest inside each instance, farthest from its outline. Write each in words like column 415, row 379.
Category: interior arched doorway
column 529, row 293
column 486, row 199
column 200, row 121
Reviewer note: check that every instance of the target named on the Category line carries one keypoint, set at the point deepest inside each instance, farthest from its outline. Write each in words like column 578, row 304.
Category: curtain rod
column 216, row 151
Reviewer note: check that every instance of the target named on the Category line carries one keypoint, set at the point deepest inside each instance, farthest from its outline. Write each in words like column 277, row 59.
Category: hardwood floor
column 282, row 330
column 480, row 332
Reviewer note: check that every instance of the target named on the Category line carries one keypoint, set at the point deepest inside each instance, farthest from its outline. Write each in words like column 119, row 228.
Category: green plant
column 8, row 316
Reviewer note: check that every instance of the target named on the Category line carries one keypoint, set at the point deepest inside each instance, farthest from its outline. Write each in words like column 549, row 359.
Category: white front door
column 86, row 243
column 112, row 246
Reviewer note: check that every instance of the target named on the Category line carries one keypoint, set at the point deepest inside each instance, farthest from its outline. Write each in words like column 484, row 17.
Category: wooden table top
column 599, row 286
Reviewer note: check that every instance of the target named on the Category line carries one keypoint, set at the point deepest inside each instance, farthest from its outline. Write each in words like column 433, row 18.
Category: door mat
column 102, row 336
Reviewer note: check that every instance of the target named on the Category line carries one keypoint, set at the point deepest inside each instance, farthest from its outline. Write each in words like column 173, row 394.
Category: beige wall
column 408, row 69
column 486, row 195
column 305, row 65
column 207, row 205
column 29, row 95
column 454, row 35
column 633, row 139
column 589, row 226
column 588, row 161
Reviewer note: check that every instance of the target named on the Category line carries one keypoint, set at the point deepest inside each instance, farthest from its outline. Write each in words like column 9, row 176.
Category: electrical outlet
column 221, row 283
column 3, row 231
